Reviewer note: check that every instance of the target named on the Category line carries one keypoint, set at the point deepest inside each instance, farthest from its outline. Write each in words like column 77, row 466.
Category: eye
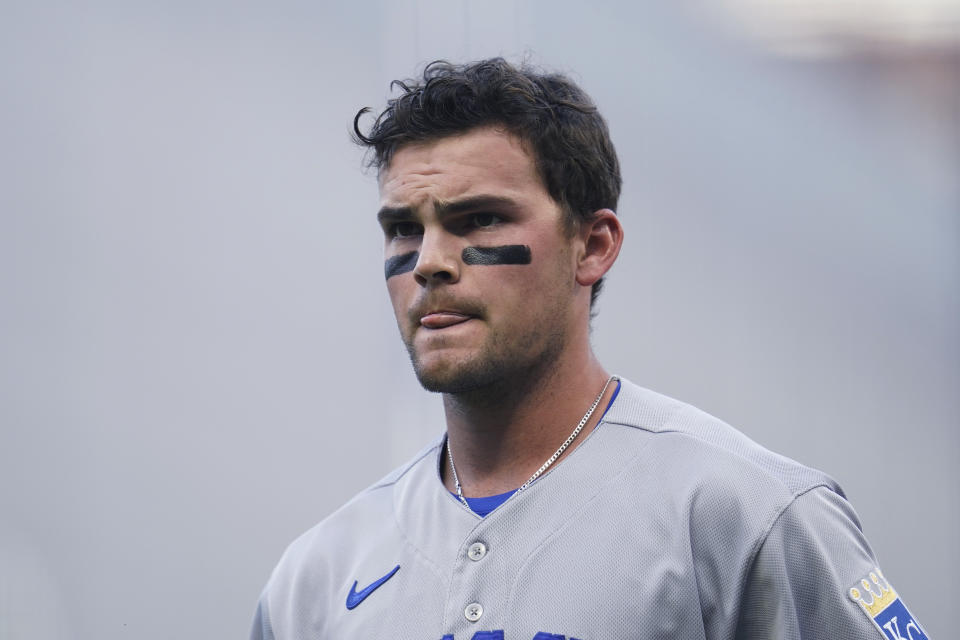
column 404, row 229
column 482, row 220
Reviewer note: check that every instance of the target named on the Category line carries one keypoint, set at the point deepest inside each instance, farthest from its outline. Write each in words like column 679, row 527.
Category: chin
column 456, row 377
column 461, row 380
column 488, row 369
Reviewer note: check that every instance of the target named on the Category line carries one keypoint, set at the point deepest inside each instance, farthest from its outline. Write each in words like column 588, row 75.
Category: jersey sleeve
column 798, row 586
column 261, row 629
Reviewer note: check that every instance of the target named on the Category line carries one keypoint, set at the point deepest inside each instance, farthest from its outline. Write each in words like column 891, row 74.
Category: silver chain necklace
column 550, row 460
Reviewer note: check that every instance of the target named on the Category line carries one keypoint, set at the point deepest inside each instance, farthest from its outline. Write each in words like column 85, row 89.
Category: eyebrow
column 394, row 213
column 446, row 207
column 474, row 203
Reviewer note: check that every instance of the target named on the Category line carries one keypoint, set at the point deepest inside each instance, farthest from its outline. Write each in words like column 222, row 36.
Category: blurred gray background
column 197, row 356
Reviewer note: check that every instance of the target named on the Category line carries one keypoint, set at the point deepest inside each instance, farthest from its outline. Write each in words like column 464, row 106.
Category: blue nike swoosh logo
column 356, row 597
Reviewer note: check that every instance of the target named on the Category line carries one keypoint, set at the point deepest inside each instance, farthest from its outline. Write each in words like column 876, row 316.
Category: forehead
column 483, row 161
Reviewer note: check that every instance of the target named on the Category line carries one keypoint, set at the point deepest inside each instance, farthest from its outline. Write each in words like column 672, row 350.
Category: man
column 562, row 502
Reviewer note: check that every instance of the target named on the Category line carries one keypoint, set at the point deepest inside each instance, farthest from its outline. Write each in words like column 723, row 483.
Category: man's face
column 480, row 269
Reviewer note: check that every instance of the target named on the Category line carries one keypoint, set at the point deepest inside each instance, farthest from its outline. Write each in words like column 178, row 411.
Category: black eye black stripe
column 395, row 265
column 507, row 254
column 486, row 256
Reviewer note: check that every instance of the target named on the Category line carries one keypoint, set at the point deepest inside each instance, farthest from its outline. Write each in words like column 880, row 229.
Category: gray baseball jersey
column 663, row 523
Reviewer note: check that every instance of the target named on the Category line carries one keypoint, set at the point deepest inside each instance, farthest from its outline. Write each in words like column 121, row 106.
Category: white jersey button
column 473, row 611
column 476, row 551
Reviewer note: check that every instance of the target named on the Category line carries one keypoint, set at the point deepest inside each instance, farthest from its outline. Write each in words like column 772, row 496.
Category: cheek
column 516, row 290
column 549, row 280
column 398, row 290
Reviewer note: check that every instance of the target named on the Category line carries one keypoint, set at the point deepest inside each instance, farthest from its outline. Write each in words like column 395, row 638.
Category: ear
column 601, row 238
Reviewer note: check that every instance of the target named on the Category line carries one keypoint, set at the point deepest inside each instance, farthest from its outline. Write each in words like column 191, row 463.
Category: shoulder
column 806, row 578
column 372, row 506
column 723, row 488
column 314, row 573
column 780, row 532
column 366, row 520
column 702, row 447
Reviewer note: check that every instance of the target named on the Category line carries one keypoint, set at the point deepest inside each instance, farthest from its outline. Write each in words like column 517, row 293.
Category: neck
column 500, row 436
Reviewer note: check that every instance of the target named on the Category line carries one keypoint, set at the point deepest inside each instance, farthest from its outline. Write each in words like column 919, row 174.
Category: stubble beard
column 499, row 368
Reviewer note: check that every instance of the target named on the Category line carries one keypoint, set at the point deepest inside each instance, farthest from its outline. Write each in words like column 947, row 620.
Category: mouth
column 443, row 319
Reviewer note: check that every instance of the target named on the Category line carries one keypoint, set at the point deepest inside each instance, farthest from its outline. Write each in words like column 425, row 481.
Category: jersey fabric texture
column 664, row 523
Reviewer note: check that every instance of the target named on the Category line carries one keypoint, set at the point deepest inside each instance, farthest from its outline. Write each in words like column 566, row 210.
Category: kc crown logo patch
column 882, row 605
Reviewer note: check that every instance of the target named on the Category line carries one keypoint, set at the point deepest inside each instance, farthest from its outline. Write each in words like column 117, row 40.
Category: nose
column 439, row 261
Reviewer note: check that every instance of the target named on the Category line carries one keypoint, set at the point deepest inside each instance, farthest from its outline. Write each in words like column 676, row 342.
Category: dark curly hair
column 547, row 111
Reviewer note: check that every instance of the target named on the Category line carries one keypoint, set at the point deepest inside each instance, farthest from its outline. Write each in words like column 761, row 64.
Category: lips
column 443, row 319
